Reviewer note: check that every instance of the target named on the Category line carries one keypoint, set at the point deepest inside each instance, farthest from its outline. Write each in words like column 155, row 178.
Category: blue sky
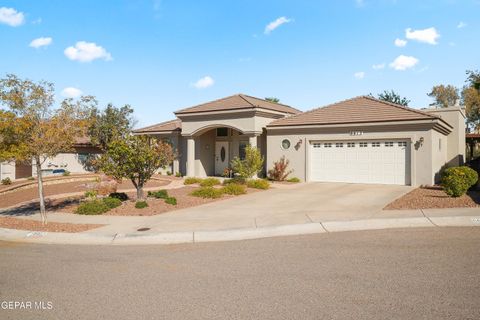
column 161, row 56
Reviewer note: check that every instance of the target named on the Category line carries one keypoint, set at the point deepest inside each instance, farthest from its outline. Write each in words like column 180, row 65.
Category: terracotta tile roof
column 166, row 126
column 238, row 102
column 355, row 110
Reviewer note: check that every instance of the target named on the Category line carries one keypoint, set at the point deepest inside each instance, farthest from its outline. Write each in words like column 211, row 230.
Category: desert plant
column 457, row 180
column 251, row 165
column 293, row 179
column 207, row 192
column 91, row 194
column 171, row 200
column 66, row 173
column 236, row 180
column 6, row 181
column 160, row 194
column 209, row 182
column 122, row 196
column 178, row 175
column 31, row 178
column 112, row 202
column 279, row 171
column 169, row 173
column 234, row 189
column 258, row 184
column 93, row 207
column 192, row 180
column 141, row 204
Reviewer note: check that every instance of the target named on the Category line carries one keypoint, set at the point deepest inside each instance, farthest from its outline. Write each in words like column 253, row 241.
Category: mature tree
column 136, row 158
column 444, row 96
column 110, row 124
column 471, row 99
column 251, row 165
column 32, row 130
column 393, row 97
column 273, row 99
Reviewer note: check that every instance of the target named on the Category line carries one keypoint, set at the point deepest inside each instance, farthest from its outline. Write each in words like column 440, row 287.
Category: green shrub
column 122, row 196
column 236, row 180
column 258, row 184
column 171, row 200
column 294, row 179
column 112, row 202
column 251, row 165
column 92, row 207
column 209, row 182
column 178, row 175
column 31, row 178
column 6, row 181
column 234, row 189
column 192, row 180
column 160, row 194
column 457, row 180
column 207, row 192
column 169, row 173
column 280, row 171
column 66, row 173
column 91, row 194
column 141, row 204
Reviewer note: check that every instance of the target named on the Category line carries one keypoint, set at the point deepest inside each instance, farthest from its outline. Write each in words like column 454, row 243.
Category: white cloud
column 86, row 52
column 71, row 92
column 11, row 17
column 461, row 25
column 275, row 24
column 429, row 35
column 37, row 21
column 360, row 3
column 41, row 42
column 378, row 66
column 402, row 62
column 359, row 75
column 204, row 82
column 400, row 42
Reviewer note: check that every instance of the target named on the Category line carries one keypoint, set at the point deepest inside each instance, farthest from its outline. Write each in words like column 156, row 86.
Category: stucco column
column 190, row 157
column 252, row 141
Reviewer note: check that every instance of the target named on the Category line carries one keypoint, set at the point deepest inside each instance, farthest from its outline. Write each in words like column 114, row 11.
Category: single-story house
column 74, row 161
column 359, row 140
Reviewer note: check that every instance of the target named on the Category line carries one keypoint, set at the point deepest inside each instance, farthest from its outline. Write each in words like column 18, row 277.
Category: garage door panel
column 382, row 162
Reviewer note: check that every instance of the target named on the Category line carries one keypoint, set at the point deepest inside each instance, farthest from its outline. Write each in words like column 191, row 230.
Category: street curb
column 86, row 238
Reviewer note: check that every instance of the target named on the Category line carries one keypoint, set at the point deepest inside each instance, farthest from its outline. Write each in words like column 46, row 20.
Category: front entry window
column 241, row 150
column 222, row 154
column 222, row 132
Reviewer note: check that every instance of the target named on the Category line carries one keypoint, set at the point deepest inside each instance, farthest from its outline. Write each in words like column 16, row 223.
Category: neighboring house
column 360, row 140
column 75, row 161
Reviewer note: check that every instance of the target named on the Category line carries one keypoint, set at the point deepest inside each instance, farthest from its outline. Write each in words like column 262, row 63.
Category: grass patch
column 192, row 180
column 141, row 204
column 258, row 184
column 294, row 180
column 207, row 192
column 160, row 194
column 209, row 182
column 171, row 200
column 94, row 207
column 112, row 202
column 234, row 189
column 236, row 180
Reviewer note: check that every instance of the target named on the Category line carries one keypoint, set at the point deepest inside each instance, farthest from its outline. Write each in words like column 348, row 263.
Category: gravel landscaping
column 434, row 197
column 34, row 225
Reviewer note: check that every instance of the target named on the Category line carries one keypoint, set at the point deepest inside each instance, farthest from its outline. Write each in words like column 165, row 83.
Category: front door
column 221, row 157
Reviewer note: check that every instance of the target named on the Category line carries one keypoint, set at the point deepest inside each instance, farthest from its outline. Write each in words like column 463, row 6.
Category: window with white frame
column 327, row 145
column 351, row 144
column 389, row 144
column 402, row 144
column 317, row 145
column 363, row 144
column 339, row 145
column 376, row 144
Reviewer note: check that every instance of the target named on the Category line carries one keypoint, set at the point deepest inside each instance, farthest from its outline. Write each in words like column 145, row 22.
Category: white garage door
column 382, row 161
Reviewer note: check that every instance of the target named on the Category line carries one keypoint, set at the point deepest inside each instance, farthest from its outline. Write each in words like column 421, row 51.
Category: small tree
column 251, row 165
column 31, row 130
column 471, row 100
column 136, row 158
column 393, row 97
column 444, row 96
column 279, row 171
column 273, row 99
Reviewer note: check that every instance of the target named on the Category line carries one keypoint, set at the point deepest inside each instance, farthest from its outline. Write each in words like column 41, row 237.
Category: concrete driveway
column 291, row 204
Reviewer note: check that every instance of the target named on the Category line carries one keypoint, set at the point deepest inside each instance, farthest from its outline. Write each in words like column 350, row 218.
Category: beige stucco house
column 360, row 140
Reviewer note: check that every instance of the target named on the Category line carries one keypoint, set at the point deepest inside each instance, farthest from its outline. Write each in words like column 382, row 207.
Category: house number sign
column 356, row 133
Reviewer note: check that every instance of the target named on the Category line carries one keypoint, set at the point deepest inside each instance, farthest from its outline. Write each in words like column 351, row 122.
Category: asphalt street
column 431, row 273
